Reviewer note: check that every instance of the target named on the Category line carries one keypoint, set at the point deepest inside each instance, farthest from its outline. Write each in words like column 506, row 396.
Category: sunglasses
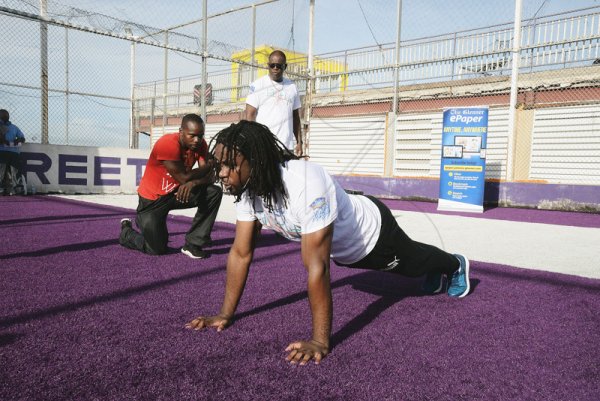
column 277, row 65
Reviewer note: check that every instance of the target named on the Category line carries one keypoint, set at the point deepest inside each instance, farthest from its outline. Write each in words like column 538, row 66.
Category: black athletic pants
column 395, row 252
column 152, row 220
column 10, row 162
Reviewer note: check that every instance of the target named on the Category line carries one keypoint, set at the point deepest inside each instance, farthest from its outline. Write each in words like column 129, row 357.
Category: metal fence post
column 310, row 81
column 133, row 138
column 514, row 91
column 453, row 56
column 67, row 85
column 152, row 115
column 253, row 48
column 178, row 95
column 397, row 50
column 204, row 58
column 44, row 69
column 388, row 169
column 166, row 71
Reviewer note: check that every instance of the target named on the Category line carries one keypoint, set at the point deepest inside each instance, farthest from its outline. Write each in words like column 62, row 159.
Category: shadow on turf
column 474, row 283
column 63, row 248
column 265, row 241
column 42, row 219
column 123, row 294
column 390, row 288
column 8, row 338
column 109, row 297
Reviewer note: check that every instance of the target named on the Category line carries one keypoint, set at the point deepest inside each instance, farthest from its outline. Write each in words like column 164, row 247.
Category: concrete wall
column 81, row 170
column 516, row 194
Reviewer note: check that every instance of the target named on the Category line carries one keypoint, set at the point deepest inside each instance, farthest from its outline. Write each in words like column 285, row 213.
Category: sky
column 339, row 24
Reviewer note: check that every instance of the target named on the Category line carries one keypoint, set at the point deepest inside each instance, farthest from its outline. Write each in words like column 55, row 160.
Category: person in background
column 170, row 182
column 299, row 200
column 274, row 101
column 11, row 139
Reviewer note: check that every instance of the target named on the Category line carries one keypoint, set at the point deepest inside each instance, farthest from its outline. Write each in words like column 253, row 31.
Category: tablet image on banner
column 462, row 168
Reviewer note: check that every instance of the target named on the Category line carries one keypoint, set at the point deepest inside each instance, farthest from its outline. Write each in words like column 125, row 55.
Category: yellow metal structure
column 243, row 74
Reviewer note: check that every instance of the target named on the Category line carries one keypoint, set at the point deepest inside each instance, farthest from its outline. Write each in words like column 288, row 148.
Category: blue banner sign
column 462, row 170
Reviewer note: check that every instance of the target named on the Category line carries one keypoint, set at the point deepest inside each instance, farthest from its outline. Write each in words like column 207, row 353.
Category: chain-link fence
column 555, row 137
column 237, row 46
column 86, row 105
column 381, row 74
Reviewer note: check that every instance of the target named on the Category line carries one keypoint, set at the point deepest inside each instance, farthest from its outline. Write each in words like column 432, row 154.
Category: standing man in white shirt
column 274, row 101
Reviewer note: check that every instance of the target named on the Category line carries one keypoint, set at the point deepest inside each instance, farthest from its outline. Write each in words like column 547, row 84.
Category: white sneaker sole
column 130, row 225
column 467, row 266
column 191, row 255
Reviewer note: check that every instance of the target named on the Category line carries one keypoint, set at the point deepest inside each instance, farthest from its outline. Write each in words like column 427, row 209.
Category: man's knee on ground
column 156, row 250
column 156, row 246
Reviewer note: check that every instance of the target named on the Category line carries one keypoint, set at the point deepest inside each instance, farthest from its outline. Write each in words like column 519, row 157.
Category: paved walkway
column 558, row 242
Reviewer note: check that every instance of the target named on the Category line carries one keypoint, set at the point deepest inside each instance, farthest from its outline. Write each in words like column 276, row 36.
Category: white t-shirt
column 316, row 200
column 275, row 103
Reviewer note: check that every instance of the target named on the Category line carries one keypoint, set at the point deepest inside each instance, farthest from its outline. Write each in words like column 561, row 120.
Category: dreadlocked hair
column 265, row 155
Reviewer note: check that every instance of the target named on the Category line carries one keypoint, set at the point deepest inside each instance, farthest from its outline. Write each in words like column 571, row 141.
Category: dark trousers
column 10, row 165
column 395, row 252
column 152, row 220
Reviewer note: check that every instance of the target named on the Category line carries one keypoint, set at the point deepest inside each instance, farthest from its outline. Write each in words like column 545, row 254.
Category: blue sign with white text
column 462, row 170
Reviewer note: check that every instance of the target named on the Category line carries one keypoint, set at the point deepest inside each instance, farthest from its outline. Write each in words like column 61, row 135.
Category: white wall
column 348, row 145
column 565, row 145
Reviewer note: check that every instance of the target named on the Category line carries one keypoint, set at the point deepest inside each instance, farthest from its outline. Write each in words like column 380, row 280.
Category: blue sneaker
column 459, row 284
column 434, row 283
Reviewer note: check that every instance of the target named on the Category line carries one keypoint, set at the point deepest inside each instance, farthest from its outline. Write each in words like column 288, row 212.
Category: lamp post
column 133, row 139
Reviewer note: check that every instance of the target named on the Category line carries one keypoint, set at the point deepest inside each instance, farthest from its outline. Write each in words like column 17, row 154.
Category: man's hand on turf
column 301, row 352
column 201, row 322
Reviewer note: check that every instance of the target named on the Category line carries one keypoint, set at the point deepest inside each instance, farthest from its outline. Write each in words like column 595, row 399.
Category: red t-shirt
column 157, row 181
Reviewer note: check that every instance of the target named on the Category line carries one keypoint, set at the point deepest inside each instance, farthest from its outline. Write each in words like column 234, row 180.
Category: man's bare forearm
column 251, row 113
column 198, row 176
column 199, row 172
column 316, row 251
column 237, row 273
column 321, row 304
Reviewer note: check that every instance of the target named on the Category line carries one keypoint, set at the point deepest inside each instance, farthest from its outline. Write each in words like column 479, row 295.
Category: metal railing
column 555, row 41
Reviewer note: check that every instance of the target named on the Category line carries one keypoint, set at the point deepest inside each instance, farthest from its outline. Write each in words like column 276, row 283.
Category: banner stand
column 462, row 168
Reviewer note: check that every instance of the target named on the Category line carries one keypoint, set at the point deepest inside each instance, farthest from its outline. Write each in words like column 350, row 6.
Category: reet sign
column 78, row 169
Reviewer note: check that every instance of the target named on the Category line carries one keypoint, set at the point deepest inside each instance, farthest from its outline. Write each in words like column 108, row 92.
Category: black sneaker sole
column 437, row 290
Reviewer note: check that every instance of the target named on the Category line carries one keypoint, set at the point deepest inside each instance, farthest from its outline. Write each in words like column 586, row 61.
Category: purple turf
column 578, row 219
column 85, row 319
